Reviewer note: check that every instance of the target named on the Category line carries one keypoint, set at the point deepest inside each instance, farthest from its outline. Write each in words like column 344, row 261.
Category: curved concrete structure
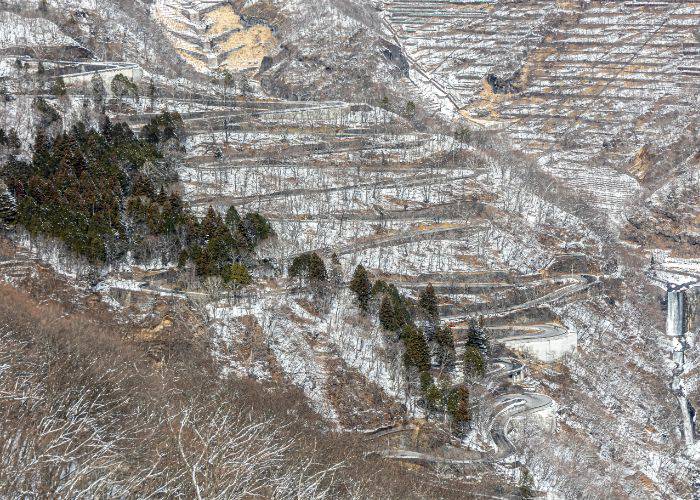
column 514, row 406
column 508, row 407
column 546, row 342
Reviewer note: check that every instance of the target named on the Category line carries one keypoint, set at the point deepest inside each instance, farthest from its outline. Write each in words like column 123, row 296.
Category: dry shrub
column 86, row 413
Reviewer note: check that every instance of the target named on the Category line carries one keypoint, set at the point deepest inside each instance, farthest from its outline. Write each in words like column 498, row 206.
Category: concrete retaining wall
column 132, row 72
column 546, row 349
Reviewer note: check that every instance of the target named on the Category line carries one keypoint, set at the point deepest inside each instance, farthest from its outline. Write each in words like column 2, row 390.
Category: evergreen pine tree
column 410, row 110
column 152, row 93
column 444, row 348
column 476, row 337
column 97, row 86
column 257, row 227
column 237, row 275
column 212, row 225
column 234, row 223
column 13, row 141
column 417, row 353
column 58, row 88
column 361, row 285
column 526, row 486
column 48, row 114
column 317, row 269
column 401, row 312
column 8, row 208
column 162, row 196
column 380, row 287
column 433, row 395
column 300, row 266
column 143, row 187
column 245, row 86
column 41, row 157
column 474, row 363
column 428, row 303
column 232, row 219
column 150, row 133
column 457, row 405
column 386, row 314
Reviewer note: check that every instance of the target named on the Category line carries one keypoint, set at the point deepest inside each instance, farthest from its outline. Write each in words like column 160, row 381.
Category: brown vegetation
column 84, row 411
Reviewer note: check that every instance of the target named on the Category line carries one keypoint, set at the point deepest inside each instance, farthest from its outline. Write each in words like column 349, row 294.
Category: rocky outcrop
column 212, row 36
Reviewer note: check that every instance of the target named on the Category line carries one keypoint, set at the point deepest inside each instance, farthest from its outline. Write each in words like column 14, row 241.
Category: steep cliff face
column 333, row 50
column 211, row 36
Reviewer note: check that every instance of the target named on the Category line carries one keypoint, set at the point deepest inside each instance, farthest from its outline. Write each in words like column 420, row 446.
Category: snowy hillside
column 386, row 249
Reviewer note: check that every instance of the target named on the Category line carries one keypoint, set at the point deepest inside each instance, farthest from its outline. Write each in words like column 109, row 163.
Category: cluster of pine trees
column 429, row 351
column 219, row 246
column 308, row 268
column 9, row 140
column 93, row 190
column 8, row 209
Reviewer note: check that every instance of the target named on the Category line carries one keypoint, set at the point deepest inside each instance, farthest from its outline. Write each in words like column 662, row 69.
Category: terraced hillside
column 418, row 208
column 578, row 105
column 584, row 87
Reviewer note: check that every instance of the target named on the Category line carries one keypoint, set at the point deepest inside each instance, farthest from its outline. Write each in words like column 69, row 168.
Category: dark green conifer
column 317, row 269
column 457, row 405
column 8, row 208
column 416, row 353
column 237, row 275
column 444, row 348
column 476, row 336
column 41, row 156
column 474, row 363
column 58, row 88
column 361, row 285
column 427, row 301
column 401, row 311
column 232, row 219
column 143, row 187
column 387, row 317
column 433, row 397
column 212, row 225
column 379, row 288
column 13, row 141
column 257, row 228
column 300, row 266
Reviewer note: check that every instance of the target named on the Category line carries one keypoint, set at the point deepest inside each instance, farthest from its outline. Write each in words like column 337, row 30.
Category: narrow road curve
column 400, row 238
column 416, row 181
column 512, row 406
column 531, row 332
column 580, row 283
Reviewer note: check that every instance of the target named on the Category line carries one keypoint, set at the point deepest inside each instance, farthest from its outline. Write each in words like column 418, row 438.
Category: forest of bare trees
column 85, row 412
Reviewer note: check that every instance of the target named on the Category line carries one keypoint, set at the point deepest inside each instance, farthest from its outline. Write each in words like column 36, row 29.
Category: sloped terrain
column 581, row 86
column 519, row 159
column 211, row 36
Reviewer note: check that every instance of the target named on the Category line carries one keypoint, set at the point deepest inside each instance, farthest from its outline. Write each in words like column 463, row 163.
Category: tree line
column 429, row 354
column 99, row 192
